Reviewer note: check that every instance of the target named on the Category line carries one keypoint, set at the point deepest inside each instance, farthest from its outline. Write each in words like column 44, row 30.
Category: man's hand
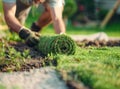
column 30, row 37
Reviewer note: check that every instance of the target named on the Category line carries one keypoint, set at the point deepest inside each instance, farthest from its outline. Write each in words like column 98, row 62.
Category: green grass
column 1, row 9
column 111, row 30
column 2, row 86
column 97, row 68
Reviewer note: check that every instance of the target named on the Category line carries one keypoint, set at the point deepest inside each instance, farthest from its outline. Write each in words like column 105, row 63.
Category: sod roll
column 58, row 44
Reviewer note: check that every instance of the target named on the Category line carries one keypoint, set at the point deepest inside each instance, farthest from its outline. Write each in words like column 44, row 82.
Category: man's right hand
column 31, row 38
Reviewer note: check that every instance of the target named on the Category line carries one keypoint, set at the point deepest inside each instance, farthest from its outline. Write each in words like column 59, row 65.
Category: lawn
column 95, row 67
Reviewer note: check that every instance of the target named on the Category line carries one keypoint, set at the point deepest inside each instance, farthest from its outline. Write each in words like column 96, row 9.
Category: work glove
column 31, row 38
column 35, row 28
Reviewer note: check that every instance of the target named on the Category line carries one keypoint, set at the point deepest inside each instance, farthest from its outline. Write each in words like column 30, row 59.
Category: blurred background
column 84, row 12
column 81, row 17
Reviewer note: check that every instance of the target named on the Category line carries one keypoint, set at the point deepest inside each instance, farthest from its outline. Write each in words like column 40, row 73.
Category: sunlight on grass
column 97, row 68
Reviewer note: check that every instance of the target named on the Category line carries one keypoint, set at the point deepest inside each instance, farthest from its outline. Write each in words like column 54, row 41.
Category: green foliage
column 102, row 13
column 12, row 36
column 70, row 8
column 97, row 68
column 1, row 9
column 10, row 57
column 2, row 86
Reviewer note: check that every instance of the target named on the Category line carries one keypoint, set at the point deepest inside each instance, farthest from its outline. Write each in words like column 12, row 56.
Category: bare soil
column 110, row 43
column 37, row 60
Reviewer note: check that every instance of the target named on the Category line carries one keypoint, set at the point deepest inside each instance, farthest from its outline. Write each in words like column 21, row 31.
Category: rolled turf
column 57, row 44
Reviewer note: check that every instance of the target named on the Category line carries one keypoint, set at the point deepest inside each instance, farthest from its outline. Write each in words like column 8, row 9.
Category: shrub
column 70, row 8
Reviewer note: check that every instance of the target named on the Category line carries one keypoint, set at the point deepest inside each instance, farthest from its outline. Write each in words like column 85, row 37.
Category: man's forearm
column 44, row 19
column 13, row 23
column 59, row 26
column 56, row 14
column 11, row 20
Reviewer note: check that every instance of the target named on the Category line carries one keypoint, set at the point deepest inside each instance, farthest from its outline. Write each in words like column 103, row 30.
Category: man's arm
column 56, row 14
column 24, row 33
column 11, row 20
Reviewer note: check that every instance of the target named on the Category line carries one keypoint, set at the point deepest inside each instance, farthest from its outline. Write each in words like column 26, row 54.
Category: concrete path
column 43, row 78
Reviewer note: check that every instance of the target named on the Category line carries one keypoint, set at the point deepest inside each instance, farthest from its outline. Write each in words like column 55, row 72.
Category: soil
column 37, row 60
column 110, row 43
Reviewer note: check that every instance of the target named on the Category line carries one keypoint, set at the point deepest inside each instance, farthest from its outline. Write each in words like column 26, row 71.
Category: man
column 16, row 11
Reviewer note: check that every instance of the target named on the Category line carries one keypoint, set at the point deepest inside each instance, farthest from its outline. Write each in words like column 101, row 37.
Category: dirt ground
column 37, row 61
column 110, row 43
